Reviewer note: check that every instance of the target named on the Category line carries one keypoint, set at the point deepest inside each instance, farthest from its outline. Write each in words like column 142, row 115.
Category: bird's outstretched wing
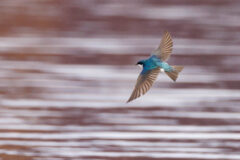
column 144, row 83
column 165, row 48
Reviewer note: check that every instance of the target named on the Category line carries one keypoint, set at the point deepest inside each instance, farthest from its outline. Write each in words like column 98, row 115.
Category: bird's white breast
column 139, row 65
column 162, row 70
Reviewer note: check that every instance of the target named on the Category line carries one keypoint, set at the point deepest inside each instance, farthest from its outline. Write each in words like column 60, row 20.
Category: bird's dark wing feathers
column 165, row 48
column 144, row 83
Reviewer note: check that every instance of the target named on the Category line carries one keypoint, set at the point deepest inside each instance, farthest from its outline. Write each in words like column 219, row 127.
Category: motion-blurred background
column 67, row 68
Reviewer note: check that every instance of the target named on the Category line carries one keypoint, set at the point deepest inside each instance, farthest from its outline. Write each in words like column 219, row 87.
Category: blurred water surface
column 67, row 69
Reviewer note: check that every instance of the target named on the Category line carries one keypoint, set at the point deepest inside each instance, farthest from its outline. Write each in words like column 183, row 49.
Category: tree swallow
column 155, row 64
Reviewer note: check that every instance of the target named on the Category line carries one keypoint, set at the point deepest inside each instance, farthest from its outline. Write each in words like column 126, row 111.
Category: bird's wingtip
column 129, row 100
column 165, row 31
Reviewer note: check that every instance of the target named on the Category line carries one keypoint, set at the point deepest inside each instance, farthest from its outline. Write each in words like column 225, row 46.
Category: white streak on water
column 83, row 153
column 123, row 143
column 129, row 45
column 28, row 113
column 153, row 128
column 12, row 120
column 153, row 149
column 122, row 135
column 179, row 97
column 151, row 12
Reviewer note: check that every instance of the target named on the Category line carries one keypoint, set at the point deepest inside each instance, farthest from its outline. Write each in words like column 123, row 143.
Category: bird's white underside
column 161, row 69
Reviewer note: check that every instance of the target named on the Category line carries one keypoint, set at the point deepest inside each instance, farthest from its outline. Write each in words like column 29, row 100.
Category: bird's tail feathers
column 174, row 74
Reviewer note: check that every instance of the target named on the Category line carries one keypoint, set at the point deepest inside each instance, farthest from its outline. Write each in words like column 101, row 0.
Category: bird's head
column 140, row 63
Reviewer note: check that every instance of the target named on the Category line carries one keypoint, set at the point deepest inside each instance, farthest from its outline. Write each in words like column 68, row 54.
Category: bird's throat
column 139, row 65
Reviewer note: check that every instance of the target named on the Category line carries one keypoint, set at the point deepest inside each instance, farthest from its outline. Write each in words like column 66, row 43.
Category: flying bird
column 155, row 64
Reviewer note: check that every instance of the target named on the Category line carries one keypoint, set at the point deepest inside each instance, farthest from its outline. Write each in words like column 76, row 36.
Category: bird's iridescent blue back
column 154, row 62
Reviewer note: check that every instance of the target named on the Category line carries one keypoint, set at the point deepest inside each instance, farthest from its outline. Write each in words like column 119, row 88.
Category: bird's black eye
column 139, row 63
